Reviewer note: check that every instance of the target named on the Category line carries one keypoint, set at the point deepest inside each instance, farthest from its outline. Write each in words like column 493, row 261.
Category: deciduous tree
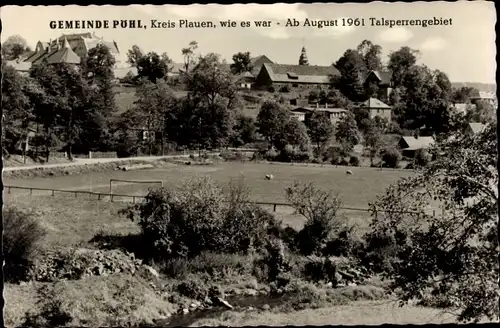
column 14, row 46
column 452, row 259
column 241, row 63
column 134, row 55
column 347, row 132
column 320, row 128
column 271, row 121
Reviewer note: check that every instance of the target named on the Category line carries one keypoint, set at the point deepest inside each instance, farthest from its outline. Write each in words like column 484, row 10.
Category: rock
column 224, row 303
column 193, row 306
column 251, row 292
column 329, row 285
column 352, row 284
column 266, row 307
column 208, row 301
column 250, row 308
column 23, row 283
column 184, row 311
column 152, row 271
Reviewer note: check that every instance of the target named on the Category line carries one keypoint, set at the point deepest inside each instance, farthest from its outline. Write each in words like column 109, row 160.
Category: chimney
column 48, row 46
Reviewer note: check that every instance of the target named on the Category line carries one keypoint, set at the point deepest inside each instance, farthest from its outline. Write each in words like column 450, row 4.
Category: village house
column 410, row 144
column 474, row 128
column 303, row 113
column 377, row 108
column 488, row 97
column 302, row 76
column 383, row 81
column 76, row 47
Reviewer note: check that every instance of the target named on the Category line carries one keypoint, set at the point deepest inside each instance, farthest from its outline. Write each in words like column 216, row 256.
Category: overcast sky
column 465, row 50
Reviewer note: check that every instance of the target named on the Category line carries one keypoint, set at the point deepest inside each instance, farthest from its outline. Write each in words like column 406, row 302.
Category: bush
column 345, row 244
column 354, row 161
column 197, row 217
column 285, row 88
column 422, row 157
column 333, row 155
column 213, row 264
column 320, row 208
column 22, row 234
column 391, row 157
column 343, row 162
column 292, row 154
column 321, row 269
column 271, row 89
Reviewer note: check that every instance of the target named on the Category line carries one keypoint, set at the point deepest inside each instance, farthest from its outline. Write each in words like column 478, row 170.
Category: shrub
column 345, row 243
column 354, row 161
column 271, row 89
column 333, row 155
column 320, row 208
column 22, row 234
column 285, row 88
column 422, row 157
column 391, row 157
column 193, row 289
column 321, row 269
column 196, row 217
column 343, row 162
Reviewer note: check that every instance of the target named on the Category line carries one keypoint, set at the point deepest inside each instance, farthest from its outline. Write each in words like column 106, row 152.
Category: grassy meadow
column 356, row 190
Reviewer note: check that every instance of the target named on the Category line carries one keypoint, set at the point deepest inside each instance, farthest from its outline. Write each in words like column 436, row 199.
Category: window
column 295, row 85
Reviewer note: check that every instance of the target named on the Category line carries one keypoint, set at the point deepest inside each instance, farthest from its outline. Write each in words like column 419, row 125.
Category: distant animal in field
column 348, row 172
column 269, row 177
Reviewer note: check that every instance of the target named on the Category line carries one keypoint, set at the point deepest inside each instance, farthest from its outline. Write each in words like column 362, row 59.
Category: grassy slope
column 94, row 301
column 73, row 222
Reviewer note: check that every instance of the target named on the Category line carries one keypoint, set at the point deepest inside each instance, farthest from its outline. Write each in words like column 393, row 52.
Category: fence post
column 8, row 190
column 111, row 197
column 76, row 194
column 31, row 191
column 434, row 213
column 53, row 192
column 98, row 196
column 133, row 199
column 274, row 208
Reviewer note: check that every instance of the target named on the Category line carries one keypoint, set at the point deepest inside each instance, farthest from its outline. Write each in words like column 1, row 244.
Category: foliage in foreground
column 199, row 216
column 453, row 257
column 21, row 236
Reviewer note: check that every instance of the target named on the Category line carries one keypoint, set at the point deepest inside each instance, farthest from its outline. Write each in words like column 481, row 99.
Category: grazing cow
column 269, row 176
column 348, row 172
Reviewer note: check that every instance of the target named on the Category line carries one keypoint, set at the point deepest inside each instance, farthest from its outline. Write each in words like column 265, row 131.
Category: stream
column 238, row 303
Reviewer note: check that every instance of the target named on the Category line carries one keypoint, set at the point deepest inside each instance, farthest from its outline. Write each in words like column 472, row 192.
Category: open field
column 356, row 190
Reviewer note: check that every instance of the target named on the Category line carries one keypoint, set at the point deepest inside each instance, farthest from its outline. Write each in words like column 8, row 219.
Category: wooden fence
column 134, row 198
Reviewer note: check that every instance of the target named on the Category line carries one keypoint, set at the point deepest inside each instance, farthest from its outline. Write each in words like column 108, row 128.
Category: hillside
column 487, row 87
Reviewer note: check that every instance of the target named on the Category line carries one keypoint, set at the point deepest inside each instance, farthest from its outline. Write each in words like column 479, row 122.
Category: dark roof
column 384, row 77
column 375, row 103
column 320, row 109
column 482, row 95
column 305, row 74
column 64, row 55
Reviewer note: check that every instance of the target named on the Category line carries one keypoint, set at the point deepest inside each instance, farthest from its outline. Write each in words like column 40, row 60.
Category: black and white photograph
column 250, row 164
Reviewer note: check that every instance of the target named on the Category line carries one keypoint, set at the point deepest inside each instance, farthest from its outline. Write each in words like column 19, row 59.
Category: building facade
column 70, row 48
column 302, row 76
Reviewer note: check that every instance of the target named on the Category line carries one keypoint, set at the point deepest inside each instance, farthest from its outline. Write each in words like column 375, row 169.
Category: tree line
column 74, row 109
